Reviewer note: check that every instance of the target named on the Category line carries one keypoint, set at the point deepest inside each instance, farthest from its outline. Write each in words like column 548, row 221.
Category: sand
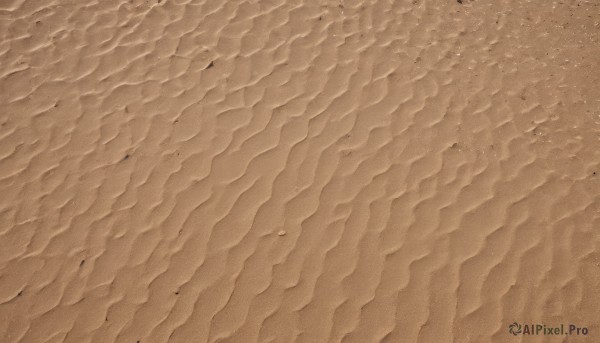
column 298, row 170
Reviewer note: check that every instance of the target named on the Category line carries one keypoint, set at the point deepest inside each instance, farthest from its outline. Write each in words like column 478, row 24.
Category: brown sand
column 298, row 170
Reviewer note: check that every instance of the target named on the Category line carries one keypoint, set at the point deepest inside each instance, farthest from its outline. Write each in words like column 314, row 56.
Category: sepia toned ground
column 298, row 170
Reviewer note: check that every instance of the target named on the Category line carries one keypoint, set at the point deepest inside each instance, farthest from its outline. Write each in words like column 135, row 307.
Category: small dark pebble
column 126, row 157
column 594, row 173
column 210, row 65
column 454, row 146
column 20, row 293
column 177, row 292
column 81, row 263
column 459, row 1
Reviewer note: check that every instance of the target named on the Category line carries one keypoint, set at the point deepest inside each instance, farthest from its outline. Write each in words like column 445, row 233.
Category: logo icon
column 514, row 328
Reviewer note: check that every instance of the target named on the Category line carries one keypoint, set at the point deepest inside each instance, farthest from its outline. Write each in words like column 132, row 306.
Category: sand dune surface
column 299, row 170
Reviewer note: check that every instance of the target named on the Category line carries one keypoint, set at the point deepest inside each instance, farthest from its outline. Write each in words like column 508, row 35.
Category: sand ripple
column 298, row 170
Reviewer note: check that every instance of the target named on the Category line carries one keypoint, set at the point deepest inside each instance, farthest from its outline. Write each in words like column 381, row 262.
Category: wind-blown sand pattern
column 298, row 170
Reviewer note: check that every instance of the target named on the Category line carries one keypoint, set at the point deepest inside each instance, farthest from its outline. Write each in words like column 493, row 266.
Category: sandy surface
column 298, row 170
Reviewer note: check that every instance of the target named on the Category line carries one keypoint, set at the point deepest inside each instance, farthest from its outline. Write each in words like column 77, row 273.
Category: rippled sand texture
column 298, row 170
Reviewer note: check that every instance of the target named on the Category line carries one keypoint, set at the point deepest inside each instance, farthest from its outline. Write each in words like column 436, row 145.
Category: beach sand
column 298, row 170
